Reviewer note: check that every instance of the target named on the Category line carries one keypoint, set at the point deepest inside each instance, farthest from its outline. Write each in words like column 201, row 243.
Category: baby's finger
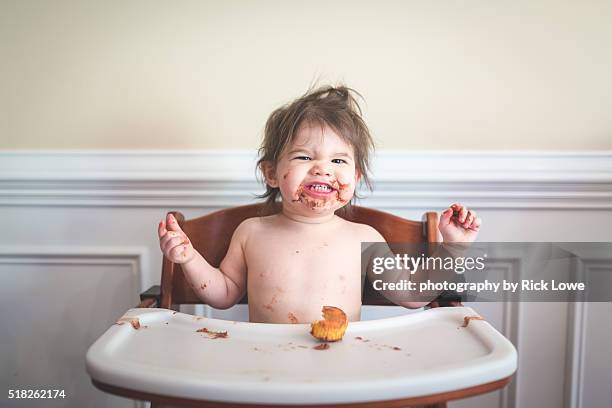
column 167, row 237
column 463, row 214
column 174, row 241
column 456, row 210
column 456, row 206
column 172, row 223
column 161, row 229
column 474, row 213
column 468, row 219
column 475, row 226
column 445, row 217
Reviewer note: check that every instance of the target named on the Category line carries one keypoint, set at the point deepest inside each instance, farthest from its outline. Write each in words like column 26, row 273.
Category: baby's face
column 316, row 173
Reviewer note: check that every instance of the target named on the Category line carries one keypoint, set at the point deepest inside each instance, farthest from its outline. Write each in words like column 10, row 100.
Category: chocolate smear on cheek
column 342, row 195
column 298, row 194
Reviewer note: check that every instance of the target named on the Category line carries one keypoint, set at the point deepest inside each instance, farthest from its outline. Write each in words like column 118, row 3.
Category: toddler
column 315, row 151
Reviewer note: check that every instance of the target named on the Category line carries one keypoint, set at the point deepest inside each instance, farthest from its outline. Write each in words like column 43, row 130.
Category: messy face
column 316, row 173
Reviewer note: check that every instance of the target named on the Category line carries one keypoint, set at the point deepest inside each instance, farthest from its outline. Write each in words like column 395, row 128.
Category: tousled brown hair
column 335, row 107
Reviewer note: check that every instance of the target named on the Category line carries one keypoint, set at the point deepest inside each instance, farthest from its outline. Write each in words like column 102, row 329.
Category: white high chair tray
column 395, row 358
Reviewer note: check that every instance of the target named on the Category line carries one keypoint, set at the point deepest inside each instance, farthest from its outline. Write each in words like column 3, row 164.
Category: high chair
column 211, row 235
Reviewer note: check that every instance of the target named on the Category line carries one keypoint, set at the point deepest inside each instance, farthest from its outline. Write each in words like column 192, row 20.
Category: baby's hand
column 459, row 224
column 173, row 242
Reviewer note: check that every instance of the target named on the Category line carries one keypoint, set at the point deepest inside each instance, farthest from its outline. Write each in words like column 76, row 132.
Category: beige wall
column 205, row 75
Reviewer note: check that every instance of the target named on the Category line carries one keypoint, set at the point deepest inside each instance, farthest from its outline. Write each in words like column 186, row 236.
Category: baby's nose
column 320, row 170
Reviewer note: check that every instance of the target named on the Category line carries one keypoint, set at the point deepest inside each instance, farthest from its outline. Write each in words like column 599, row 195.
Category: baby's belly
column 299, row 298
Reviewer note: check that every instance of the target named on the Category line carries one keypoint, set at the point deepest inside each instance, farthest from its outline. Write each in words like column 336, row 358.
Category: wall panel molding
column 135, row 257
column 402, row 180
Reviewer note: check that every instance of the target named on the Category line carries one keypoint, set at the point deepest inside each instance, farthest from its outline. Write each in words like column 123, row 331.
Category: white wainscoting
column 90, row 218
column 55, row 302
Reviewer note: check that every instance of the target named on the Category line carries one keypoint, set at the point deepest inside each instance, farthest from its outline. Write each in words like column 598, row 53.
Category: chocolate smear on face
column 310, row 202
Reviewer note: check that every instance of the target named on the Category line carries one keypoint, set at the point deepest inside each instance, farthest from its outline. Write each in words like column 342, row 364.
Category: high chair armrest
column 151, row 297
column 447, row 298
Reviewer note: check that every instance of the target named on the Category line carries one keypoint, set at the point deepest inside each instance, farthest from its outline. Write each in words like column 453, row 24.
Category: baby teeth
column 319, row 187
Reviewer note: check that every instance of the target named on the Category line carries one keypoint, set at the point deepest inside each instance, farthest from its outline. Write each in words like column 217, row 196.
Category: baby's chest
column 282, row 259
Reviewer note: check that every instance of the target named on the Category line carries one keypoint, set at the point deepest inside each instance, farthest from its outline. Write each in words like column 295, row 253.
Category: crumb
column 174, row 313
column 292, row 318
column 301, row 346
column 213, row 334
column 396, row 348
column 466, row 319
column 133, row 321
column 322, row 346
column 358, row 338
column 203, row 286
column 166, row 322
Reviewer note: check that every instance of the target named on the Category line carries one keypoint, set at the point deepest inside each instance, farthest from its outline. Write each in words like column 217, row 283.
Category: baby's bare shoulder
column 253, row 225
column 364, row 232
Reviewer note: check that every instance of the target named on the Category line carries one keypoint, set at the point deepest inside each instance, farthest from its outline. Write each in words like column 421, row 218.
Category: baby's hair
column 335, row 107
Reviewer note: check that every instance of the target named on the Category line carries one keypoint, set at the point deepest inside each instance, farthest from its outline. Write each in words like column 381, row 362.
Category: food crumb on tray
column 467, row 319
column 211, row 334
column 134, row 321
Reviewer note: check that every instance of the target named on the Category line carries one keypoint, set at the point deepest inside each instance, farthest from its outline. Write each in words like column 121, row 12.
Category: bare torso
column 293, row 269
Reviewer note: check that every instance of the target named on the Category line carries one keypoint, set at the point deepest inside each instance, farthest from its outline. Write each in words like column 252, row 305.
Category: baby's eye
column 302, row 158
column 339, row 161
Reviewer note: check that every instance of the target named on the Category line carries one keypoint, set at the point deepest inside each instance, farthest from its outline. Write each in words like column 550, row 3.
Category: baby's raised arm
column 220, row 287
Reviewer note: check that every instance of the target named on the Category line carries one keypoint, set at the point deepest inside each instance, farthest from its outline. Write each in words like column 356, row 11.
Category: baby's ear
column 269, row 173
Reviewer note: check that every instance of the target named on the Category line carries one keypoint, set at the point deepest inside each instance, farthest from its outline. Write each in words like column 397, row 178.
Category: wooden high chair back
column 211, row 235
